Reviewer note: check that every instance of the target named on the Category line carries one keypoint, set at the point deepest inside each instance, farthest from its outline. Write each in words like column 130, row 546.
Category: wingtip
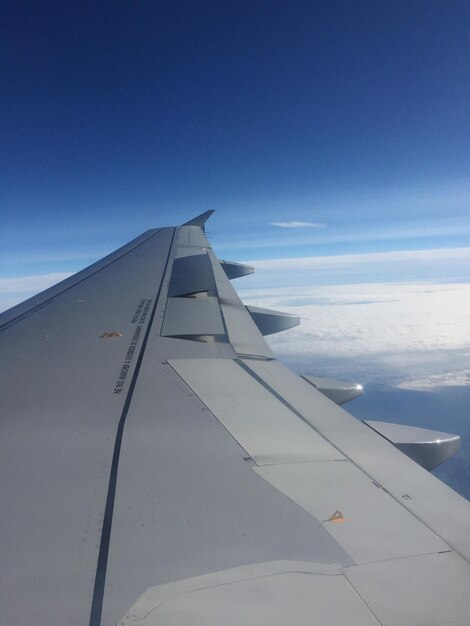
column 200, row 220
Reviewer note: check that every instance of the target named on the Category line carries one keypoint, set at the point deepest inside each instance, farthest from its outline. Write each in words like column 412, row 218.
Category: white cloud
column 458, row 378
column 398, row 334
column 294, row 224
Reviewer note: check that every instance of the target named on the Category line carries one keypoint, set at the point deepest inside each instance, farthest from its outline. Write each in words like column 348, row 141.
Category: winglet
column 200, row 220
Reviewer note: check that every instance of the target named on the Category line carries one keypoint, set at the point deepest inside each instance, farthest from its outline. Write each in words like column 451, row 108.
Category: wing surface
column 159, row 466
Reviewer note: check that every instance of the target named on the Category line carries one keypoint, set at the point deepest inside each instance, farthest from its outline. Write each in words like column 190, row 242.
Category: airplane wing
column 159, row 466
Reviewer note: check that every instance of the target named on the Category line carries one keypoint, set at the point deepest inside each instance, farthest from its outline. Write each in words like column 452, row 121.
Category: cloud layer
column 413, row 334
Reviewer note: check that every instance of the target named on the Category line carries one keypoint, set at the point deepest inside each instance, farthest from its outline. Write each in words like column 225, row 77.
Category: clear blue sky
column 120, row 116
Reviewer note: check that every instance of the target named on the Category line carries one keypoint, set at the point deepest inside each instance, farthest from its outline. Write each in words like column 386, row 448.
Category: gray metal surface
column 191, row 274
column 60, row 414
column 187, row 502
column 434, row 503
column 239, row 595
column 266, row 429
column 120, row 472
column 243, row 333
column 339, row 391
column 270, row 322
column 192, row 316
column 429, row 448
column 367, row 513
column 236, row 270
column 430, row 590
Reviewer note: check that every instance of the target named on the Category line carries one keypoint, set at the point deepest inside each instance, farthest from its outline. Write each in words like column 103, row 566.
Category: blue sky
column 117, row 117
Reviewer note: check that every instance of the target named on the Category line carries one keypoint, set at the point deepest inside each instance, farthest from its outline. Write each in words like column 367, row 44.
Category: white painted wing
column 159, row 466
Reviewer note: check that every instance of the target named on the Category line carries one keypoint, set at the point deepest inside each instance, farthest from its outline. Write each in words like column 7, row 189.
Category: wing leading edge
column 162, row 467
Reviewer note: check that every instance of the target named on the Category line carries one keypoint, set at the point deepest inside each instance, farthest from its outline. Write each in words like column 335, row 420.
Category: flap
column 192, row 316
column 191, row 274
